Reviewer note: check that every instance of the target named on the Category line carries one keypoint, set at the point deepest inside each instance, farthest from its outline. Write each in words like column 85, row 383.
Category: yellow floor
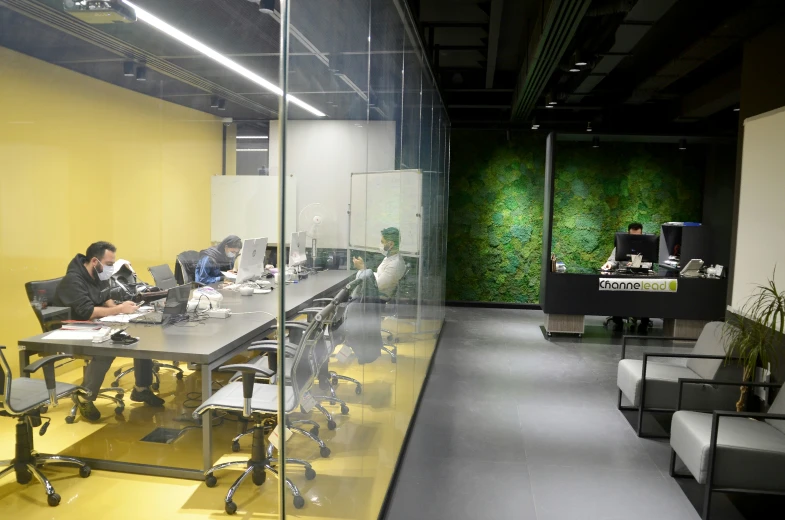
column 350, row 484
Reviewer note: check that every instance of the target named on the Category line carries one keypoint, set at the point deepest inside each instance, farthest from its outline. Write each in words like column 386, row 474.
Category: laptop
column 176, row 304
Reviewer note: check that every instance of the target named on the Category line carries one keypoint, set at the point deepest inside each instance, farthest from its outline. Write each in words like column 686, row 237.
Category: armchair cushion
column 778, row 407
column 709, row 342
column 750, row 453
column 662, row 379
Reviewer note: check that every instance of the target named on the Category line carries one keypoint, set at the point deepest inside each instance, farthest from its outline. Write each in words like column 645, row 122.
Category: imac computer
column 629, row 245
column 297, row 256
column 251, row 260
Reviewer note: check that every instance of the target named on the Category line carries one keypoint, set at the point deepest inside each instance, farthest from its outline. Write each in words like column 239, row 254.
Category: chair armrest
column 687, row 381
column 328, row 300
column 271, row 346
column 653, row 338
column 750, row 415
column 48, row 364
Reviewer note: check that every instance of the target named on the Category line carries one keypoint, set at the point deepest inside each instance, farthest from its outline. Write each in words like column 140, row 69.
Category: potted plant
column 755, row 335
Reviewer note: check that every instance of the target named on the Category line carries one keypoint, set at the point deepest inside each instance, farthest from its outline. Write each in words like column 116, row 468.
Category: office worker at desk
column 85, row 290
column 218, row 258
column 635, row 228
column 392, row 268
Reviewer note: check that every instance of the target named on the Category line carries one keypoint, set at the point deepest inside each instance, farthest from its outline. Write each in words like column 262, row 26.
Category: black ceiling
column 655, row 66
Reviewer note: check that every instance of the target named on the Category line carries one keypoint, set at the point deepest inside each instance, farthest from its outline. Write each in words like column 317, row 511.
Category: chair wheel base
column 53, row 499
column 344, row 410
column 315, row 431
column 324, row 452
column 358, row 390
column 258, row 477
column 299, row 502
column 331, row 425
column 70, row 419
column 235, row 446
column 210, row 481
column 310, row 474
column 85, row 471
column 179, row 375
column 230, row 508
column 24, row 477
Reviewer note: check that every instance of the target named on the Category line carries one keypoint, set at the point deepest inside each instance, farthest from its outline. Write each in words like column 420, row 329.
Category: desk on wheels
column 568, row 297
column 209, row 345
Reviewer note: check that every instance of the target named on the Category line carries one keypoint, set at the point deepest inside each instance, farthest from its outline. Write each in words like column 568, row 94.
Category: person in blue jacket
column 218, row 258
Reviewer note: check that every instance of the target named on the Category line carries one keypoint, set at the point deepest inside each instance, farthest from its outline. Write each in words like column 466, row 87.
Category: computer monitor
column 177, row 300
column 628, row 245
column 297, row 247
column 251, row 260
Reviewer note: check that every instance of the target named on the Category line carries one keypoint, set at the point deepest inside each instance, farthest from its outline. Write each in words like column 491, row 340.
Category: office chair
column 48, row 288
column 391, row 311
column 163, row 276
column 25, row 399
column 185, row 267
column 259, row 402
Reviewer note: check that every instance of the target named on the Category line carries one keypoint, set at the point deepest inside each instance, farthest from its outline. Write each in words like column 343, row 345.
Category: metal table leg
column 24, row 360
column 207, row 419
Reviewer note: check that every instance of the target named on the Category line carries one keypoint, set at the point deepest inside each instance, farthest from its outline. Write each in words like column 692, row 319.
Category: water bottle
column 36, row 302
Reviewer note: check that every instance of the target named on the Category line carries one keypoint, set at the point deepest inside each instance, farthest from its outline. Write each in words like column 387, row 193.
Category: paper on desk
column 122, row 318
column 228, row 275
column 73, row 334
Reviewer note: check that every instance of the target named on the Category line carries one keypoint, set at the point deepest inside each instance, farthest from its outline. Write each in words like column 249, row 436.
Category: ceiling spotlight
column 579, row 60
column 682, row 144
column 575, row 69
column 213, row 101
column 221, row 104
column 595, row 142
column 141, row 73
column 548, row 106
column 128, row 68
column 588, row 127
column 535, row 124
column 550, row 99
column 736, row 109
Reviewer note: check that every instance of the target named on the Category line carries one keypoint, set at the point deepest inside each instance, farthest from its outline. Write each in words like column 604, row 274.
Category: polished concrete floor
column 514, row 425
column 350, row 484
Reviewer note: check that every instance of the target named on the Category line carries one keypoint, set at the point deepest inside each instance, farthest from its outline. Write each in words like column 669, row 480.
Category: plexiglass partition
column 270, row 247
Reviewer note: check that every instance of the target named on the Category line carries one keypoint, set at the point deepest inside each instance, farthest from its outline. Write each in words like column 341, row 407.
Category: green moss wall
column 494, row 242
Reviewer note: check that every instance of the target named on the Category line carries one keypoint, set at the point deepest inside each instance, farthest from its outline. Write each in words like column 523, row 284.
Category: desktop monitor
column 297, row 254
column 251, row 260
column 628, row 245
column 177, row 300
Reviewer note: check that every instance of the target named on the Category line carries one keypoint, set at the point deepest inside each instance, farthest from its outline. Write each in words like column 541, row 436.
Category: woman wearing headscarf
column 218, row 258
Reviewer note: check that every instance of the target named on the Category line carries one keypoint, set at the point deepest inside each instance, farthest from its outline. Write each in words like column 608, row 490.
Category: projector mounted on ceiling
column 100, row 11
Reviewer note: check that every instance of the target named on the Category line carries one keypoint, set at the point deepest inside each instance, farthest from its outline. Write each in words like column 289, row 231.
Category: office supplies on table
column 176, row 305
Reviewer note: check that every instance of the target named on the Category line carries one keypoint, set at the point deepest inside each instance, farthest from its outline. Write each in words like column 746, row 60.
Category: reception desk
column 685, row 307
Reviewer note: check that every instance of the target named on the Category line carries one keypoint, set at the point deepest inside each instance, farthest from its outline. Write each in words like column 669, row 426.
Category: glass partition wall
column 308, row 240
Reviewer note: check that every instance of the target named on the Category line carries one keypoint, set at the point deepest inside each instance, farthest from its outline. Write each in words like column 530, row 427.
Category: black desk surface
column 209, row 340
column 579, row 294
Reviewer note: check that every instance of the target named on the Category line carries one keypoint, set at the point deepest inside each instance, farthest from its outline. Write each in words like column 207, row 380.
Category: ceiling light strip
column 180, row 36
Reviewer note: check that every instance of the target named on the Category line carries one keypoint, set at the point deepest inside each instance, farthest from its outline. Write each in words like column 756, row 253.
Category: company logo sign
column 658, row 285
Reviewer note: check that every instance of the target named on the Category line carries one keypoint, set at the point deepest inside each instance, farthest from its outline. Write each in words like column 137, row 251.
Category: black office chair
column 390, row 310
column 185, row 267
column 163, row 276
column 25, row 399
column 47, row 289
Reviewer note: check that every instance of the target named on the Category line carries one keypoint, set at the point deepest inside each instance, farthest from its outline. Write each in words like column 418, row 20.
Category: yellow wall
column 82, row 160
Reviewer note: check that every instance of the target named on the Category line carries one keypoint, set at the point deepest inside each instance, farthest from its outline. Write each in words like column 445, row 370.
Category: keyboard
column 156, row 318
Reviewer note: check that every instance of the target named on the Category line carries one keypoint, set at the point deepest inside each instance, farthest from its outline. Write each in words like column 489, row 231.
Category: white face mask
column 231, row 254
column 383, row 249
column 106, row 273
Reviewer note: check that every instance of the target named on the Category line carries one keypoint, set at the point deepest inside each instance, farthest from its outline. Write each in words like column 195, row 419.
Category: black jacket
column 80, row 291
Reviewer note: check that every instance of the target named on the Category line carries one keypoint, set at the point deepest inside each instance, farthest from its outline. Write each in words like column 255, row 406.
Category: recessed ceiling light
column 252, row 137
column 575, row 69
column 252, row 149
column 588, row 127
column 595, row 142
column 682, row 144
column 736, row 109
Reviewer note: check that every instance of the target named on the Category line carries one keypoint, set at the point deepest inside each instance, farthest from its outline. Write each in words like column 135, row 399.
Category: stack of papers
column 85, row 334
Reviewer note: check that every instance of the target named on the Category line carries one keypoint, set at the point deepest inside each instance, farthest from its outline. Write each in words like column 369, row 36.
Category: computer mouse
column 246, row 291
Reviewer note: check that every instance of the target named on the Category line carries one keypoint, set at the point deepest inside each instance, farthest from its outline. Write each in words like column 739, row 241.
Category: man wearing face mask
column 392, row 268
column 85, row 290
column 219, row 258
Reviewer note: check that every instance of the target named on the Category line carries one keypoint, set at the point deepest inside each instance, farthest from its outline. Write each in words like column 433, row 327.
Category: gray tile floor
column 513, row 425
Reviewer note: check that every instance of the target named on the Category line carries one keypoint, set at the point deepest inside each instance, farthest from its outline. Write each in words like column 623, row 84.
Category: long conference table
column 209, row 345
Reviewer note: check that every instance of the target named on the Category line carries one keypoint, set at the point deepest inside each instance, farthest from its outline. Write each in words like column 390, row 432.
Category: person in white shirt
column 392, row 268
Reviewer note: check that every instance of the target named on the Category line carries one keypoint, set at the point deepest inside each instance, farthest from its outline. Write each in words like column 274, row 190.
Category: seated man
column 392, row 268
column 635, row 228
column 85, row 289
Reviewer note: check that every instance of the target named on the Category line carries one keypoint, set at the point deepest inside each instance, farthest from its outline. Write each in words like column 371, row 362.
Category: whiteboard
column 386, row 199
column 247, row 206
column 759, row 246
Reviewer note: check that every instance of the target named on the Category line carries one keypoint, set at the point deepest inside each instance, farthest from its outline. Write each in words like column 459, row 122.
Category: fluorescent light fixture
column 180, row 36
column 548, row 106
column 141, row 73
column 575, row 69
column 736, row 109
column 252, row 149
column 588, row 126
column 252, row 137
column 682, row 144
column 595, row 142
column 128, row 69
column 535, row 124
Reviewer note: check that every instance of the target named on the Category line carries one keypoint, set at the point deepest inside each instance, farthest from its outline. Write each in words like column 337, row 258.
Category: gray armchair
column 728, row 451
column 652, row 385
column 259, row 402
column 24, row 399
